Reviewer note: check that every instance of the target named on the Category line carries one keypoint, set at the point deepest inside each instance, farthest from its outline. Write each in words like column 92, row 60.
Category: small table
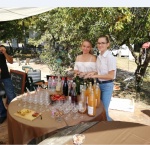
column 114, row 132
column 41, row 83
column 21, row 131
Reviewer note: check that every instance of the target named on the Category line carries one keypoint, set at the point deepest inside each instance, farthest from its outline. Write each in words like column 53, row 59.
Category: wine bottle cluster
column 84, row 92
column 90, row 95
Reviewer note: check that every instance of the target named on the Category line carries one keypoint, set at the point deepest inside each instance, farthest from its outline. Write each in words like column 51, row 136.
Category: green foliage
column 58, row 60
column 10, row 30
column 67, row 27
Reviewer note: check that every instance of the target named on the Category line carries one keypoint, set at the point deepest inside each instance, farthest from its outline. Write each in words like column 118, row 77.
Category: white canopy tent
column 8, row 14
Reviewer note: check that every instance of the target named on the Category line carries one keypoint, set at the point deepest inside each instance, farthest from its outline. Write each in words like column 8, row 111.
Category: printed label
column 81, row 86
column 90, row 110
column 69, row 98
column 80, row 106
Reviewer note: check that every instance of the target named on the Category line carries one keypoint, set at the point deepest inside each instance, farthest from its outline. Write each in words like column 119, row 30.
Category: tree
column 69, row 26
column 10, row 30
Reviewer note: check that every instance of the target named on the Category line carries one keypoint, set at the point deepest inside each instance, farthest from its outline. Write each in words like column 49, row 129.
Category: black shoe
column 2, row 119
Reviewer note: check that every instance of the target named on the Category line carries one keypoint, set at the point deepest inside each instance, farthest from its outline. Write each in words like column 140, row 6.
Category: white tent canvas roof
column 8, row 14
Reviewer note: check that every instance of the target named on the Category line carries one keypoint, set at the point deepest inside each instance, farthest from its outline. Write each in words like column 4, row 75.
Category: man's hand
column 8, row 57
column 3, row 50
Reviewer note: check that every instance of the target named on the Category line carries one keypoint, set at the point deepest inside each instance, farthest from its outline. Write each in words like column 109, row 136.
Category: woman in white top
column 86, row 62
column 106, row 71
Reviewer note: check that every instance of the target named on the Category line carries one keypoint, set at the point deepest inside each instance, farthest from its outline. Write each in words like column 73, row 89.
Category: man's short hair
column 2, row 46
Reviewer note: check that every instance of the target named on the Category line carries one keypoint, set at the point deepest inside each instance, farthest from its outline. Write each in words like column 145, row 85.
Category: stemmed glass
column 75, row 110
column 82, row 109
column 47, row 105
column 41, row 103
column 19, row 98
column 35, row 103
column 24, row 99
column 30, row 101
column 52, row 110
column 66, row 111
column 70, row 107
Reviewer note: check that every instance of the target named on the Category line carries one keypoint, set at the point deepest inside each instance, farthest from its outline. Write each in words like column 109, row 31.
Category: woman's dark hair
column 106, row 37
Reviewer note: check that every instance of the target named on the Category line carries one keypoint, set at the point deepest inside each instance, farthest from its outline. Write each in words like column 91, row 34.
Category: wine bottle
column 58, row 85
column 94, row 85
column 70, row 89
column 77, row 81
column 82, row 102
column 81, row 80
column 65, row 87
column 85, row 86
column 97, row 93
column 74, row 94
column 91, row 104
column 88, row 92
column 62, row 83
column 53, row 84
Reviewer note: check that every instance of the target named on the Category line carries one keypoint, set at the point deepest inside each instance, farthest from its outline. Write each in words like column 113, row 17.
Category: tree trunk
column 141, row 67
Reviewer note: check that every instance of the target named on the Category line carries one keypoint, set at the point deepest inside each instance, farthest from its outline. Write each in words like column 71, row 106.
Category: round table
column 22, row 131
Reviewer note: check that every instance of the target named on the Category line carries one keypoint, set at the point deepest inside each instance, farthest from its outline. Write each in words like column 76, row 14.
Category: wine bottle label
column 80, row 106
column 69, row 98
column 90, row 110
column 81, row 86
column 57, row 88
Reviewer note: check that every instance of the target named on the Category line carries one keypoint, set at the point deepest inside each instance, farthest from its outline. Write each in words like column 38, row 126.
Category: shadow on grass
column 147, row 112
column 130, row 92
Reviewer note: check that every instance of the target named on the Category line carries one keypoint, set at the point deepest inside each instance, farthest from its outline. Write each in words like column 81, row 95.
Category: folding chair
column 33, row 77
column 27, row 68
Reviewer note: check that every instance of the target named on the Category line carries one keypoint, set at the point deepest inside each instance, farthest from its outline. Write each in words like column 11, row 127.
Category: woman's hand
column 94, row 76
column 82, row 74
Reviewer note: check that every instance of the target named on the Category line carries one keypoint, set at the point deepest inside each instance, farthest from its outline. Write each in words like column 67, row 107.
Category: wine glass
column 19, row 98
column 35, row 102
column 30, row 101
column 66, row 111
column 41, row 103
column 47, row 105
column 75, row 110
column 24, row 100
column 52, row 111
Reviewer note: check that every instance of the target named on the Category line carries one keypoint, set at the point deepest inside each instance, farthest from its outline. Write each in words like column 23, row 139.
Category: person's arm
column 111, row 73
column 89, row 74
column 8, row 57
column 76, row 72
